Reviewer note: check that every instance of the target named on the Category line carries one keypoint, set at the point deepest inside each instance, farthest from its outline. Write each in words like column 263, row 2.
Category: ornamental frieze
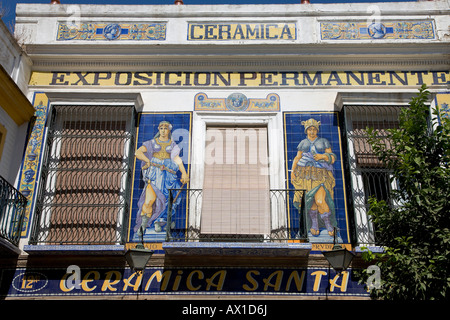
column 112, row 31
column 386, row 30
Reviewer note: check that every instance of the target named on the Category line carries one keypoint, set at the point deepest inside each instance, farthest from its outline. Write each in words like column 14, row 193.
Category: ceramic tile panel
column 314, row 163
column 158, row 171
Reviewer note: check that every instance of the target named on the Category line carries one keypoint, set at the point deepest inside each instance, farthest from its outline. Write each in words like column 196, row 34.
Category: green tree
column 414, row 227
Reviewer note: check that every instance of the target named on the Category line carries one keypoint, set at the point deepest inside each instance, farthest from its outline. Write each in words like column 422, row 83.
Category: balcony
column 286, row 236
column 12, row 212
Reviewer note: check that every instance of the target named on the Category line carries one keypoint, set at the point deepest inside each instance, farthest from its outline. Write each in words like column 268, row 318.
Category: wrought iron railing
column 12, row 211
column 368, row 175
column 86, row 174
column 287, row 220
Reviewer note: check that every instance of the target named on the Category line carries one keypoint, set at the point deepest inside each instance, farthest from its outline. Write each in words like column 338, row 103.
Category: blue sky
column 9, row 6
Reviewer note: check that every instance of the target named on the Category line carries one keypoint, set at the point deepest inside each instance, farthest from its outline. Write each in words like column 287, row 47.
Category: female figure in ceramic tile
column 312, row 170
column 160, row 164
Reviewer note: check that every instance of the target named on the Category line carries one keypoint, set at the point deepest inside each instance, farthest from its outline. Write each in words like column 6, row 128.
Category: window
column 236, row 184
column 369, row 176
column 85, row 180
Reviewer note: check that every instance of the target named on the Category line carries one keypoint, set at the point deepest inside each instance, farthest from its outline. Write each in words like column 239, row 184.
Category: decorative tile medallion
column 377, row 30
column 112, row 31
column 237, row 102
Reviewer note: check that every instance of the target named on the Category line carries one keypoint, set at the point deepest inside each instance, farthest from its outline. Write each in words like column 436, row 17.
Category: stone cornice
column 36, row 11
column 46, row 64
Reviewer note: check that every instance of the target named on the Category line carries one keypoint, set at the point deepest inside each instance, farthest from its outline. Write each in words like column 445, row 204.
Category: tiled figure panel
column 314, row 164
column 161, row 163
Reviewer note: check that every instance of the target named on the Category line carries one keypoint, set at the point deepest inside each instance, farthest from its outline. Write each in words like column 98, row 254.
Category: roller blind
column 236, row 184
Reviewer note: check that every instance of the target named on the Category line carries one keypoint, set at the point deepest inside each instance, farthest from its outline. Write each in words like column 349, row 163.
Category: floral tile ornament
column 340, row 30
column 112, row 31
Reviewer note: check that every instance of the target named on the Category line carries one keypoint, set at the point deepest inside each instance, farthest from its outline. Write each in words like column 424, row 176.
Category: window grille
column 86, row 176
column 369, row 176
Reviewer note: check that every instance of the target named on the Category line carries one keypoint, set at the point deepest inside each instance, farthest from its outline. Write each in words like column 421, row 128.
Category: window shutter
column 236, row 185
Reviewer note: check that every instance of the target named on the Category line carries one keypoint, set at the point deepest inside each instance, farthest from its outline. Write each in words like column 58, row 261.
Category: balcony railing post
column 304, row 232
column 169, row 217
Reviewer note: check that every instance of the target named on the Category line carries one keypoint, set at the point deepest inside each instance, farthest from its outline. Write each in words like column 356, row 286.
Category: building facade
column 16, row 112
column 229, row 140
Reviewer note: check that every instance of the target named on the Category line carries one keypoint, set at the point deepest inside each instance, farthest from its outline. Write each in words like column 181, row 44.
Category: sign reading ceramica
column 242, row 31
column 243, row 79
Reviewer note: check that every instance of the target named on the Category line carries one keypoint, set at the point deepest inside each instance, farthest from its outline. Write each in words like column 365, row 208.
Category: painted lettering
column 242, row 79
column 159, row 276
column 144, row 76
column 202, row 78
column 220, row 275
column 167, row 77
column 251, row 280
column 278, row 275
column 344, row 282
column 440, row 77
column 112, row 278
column 374, row 78
column 419, row 75
column 190, row 286
column 286, row 33
column 176, row 283
column 208, row 280
column 318, row 277
column 63, row 284
column 239, row 33
column 289, row 78
column 86, row 280
column 193, row 33
column 334, row 77
column 359, row 80
column 118, row 81
column 398, row 79
column 187, row 79
column 244, row 76
column 81, row 78
column 158, row 78
column 224, row 29
column 58, row 79
column 137, row 283
column 297, row 279
column 242, row 31
column 98, row 77
column 253, row 33
column 267, row 79
column 317, row 77
column 219, row 75
column 269, row 34
column 209, row 31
